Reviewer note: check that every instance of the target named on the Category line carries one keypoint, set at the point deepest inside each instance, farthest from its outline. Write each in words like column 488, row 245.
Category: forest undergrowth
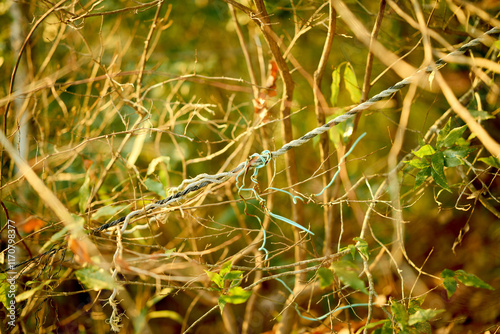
column 250, row 166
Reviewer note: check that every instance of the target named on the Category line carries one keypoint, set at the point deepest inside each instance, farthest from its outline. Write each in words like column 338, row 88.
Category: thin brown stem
column 320, row 105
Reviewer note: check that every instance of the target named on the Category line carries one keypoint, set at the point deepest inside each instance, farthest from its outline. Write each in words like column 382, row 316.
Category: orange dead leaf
column 87, row 163
column 81, row 252
column 33, row 224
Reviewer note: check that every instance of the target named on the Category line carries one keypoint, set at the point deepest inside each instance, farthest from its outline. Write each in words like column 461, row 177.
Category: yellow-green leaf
column 335, row 87
column 96, row 279
column 351, row 84
column 425, row 151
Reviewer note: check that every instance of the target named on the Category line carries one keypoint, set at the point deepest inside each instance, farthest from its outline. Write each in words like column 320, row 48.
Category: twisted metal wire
column 203, row 180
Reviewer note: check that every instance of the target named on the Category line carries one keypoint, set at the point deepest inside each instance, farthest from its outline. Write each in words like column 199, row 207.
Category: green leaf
column 351, row 84
column 452, row 137
column 4, row 290
column 346, row 271
column 481, row 114
column 335, row 87
column 450, row 284
column 453, row 156
column 325, row 277
column 399, row 312
column 451, row 159
column 222, row 303
column 236, row 295
column 415, row 304
column 418, row 163
column 234, row 275
column 425, row 151
column 107, row 211
column 84, row 193
column 471, row 280
column 216, row 278
column 96, row 279
column 492, row 161
column 352, row 249
column 346, row 129
column 334, row 133
column 225, row 268
column 437, row 171
column 444, row 132
column 362, row 247
column 423, row 316
column 421, row 176
column 155, row 187
column 447, row 273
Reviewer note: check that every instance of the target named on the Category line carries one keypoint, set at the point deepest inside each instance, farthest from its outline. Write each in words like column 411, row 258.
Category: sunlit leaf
column 452, row 137
column 236, row 295
column 492, row 161
column 216, row 278
column 362, row 247
column 351, row 84
column 335, row 87
column 471, row 280
column 418, row 163
column 225, row 268
column 4, row 289
column 425, row 151
column 423, row 315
